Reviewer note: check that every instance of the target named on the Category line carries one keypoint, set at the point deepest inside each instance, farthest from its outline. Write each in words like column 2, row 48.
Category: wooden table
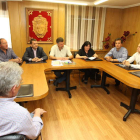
column 34, row 74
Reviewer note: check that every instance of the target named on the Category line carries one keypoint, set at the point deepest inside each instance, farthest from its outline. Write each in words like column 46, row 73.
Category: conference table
column 35, row 74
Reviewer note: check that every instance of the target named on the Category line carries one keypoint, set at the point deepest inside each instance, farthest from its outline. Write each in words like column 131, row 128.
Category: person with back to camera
column 15, row 118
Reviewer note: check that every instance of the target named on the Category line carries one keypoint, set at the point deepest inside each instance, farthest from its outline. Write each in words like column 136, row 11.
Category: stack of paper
column 66, row 61
column 56, row 63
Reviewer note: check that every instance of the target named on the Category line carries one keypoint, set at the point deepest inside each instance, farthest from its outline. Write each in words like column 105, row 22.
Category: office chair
column 75, row 53
column 51, row 72
column 17, row 137
column 14, row 137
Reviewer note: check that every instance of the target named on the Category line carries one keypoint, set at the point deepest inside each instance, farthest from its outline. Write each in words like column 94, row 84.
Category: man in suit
column 34, row 52
column 7, row 54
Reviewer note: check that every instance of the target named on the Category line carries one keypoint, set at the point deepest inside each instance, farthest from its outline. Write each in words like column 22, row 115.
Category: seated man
column 15, row 118
column 117, row 54
column 34, row 52
column 60, row 52
column 7, row 54
column 135, row 57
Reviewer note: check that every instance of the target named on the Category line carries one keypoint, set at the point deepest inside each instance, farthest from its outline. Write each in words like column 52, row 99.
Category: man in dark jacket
column 34, row 52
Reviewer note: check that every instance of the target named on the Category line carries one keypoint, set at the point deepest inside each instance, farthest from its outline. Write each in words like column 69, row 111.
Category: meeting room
column 69, row 70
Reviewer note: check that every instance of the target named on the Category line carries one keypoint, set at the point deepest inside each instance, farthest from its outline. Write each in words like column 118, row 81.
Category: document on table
column 135, row 66
column 56, row 63
column 60, row 62
column 92, row 58
column 66, row 61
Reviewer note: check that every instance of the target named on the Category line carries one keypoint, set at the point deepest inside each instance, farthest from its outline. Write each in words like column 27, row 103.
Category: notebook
column 25, row 91
column 126, row 67
column 136, row 73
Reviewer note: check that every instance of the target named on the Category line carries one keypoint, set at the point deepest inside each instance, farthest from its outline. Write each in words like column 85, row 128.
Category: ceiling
column 109, row 3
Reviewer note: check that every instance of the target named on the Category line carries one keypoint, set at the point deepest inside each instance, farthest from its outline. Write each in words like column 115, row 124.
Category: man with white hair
column 7, row 54
column 15, row 118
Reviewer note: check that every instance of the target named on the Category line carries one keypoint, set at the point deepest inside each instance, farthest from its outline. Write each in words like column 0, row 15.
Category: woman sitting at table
column 134, row 57
column 85, row 52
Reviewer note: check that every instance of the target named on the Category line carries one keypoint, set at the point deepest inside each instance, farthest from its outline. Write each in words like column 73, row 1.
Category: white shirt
column 135, row 57
column 34, row 52
column 16, row 119
column 57, row 53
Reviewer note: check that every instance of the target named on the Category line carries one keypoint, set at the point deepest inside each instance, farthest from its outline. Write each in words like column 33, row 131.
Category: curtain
column 5, row 24
column 85, row 23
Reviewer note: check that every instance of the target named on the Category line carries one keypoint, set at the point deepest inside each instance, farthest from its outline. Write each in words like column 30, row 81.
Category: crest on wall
column 39, row 25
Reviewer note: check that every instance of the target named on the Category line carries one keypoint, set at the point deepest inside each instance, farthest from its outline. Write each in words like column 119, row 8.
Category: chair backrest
column 14, row 137
column 128, row 56
column 75, row 53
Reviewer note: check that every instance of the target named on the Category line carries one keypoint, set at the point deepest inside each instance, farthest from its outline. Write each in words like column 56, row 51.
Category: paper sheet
column 91, row 58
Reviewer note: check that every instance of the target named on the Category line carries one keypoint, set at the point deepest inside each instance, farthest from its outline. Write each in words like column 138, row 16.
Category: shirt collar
column 3, row 51
column 118, row 50
column 58, row 48
column 34, row 50
column 7, row 99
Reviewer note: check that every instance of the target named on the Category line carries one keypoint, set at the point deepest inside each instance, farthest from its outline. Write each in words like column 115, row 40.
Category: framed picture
column 39, row 25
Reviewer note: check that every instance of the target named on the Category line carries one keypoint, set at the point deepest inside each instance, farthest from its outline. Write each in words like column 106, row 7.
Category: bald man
column 7, row 54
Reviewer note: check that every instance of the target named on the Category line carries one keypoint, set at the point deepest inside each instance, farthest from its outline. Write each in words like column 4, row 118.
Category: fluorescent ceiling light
column 12, row 0
column 64, row 2
column 99, row 1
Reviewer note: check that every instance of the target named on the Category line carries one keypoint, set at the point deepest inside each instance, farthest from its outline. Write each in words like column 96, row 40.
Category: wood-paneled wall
column 120, row 20
column 113, row 22
column 117, row 21
column 131, row 22
column 17, row 17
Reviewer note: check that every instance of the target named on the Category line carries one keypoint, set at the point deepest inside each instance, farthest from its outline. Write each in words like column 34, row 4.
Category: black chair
column 51, row 73
column 14, row 137
column 75, row 53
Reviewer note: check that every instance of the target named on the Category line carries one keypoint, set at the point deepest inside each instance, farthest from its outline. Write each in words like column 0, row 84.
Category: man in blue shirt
column 7, row 54
column 117, row 54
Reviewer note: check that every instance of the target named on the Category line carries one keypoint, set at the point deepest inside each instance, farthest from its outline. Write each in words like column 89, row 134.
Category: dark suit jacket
column 30, row 54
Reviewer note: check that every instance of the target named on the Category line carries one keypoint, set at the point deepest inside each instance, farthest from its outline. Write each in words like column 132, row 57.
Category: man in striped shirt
column 15, row 118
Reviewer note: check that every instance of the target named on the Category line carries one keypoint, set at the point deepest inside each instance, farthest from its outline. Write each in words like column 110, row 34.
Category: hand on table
column 108, row 58
column 126, row 63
